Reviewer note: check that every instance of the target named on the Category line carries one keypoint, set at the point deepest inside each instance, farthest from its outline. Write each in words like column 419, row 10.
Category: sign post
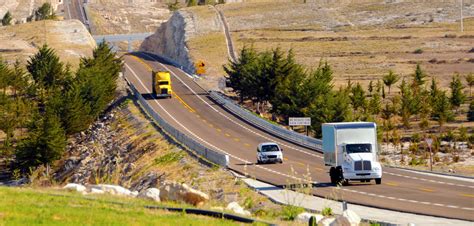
column 429, row 141
column 300, row 121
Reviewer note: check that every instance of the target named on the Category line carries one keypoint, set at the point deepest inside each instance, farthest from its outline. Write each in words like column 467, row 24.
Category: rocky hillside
column 21, row 9
column 70, row 39
column 173, row 37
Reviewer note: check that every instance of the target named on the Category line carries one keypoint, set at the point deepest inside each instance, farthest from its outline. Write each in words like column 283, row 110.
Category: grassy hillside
column 25, row 206
column 362, row 41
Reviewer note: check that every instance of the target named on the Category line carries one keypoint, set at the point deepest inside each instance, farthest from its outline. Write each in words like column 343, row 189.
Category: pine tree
column 434, row 90
column 240, row 74
column 442, row 108
column 7, row 19
column 44, row 12
column 77, row 114
column 46, row 69
column 358, row 97
column 375, row 104
column 371, row 87
column 390, row 79
column 418, row 77
column 406, row 103
column 457, row 95
column 45, row 143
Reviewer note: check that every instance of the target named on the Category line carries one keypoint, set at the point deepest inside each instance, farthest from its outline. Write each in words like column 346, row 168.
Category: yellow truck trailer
column 161, row 84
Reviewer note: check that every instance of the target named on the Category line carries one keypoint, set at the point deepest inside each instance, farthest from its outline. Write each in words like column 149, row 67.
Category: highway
column 194, row 113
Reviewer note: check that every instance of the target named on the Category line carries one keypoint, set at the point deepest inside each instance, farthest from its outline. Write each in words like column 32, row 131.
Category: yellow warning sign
column 200, row 67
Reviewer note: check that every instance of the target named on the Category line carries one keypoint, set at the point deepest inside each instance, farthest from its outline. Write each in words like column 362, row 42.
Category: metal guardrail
column 209, row 154
column 276, row 130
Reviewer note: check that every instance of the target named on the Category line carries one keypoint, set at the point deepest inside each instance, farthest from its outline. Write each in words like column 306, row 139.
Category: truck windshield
column 358, row 148
column 163, row 83
column 270, row 148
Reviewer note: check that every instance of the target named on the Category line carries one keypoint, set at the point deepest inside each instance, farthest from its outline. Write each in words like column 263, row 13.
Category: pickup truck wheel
column 259, row 162
column 378, row 180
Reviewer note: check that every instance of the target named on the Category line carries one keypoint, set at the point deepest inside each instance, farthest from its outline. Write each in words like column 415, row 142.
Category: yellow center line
column 236, row 139
column 391, row 184
column 198, row 116
column 300, row 163
column 219, row 130
column 227, row 135
column 184, row 103
column 426, row 189
column 204, row 120
column 211, row 125
column 142, row 62
column 174, row 94
column 247, row 145
column 467, row 195
column 319, row 169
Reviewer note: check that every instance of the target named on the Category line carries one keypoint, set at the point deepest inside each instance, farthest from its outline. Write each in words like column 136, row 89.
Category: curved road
column 194, row 113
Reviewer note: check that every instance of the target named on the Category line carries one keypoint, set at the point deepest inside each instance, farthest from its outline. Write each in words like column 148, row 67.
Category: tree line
column 47, row 102
column 44, row 12
column 273, row 78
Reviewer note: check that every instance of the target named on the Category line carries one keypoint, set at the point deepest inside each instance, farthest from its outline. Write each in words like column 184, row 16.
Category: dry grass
column 358, row 47
column 70, row 39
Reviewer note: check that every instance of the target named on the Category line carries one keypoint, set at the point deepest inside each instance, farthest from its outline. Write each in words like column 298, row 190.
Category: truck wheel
column 332, row 174
column 378, row 180
column 259, row 162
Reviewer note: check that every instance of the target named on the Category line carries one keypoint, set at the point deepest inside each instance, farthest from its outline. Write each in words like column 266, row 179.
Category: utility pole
column 462, row 25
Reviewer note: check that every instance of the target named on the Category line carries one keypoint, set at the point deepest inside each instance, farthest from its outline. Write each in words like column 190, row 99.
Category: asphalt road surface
column 194, row 113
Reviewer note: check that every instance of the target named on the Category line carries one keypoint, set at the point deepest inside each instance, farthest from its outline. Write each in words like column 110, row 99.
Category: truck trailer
column 161, row 84
column 350, row 149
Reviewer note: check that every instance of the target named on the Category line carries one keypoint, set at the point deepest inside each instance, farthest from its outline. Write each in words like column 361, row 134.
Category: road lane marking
column 428, row 180
column 468, row 195
column 291, row 147
column 227, row 135
column 244, row 127
column 426, row 189
column 184, row 103
column 236, row 139
column 391, row 184
column 247, row 145
column 219, row 130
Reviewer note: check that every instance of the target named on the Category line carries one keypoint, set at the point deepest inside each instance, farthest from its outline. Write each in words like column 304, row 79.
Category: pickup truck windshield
column 270, row 148
column 358, row 148
column 163, row 83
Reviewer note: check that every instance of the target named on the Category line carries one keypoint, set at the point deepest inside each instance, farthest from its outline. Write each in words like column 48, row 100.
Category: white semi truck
column 350, row 148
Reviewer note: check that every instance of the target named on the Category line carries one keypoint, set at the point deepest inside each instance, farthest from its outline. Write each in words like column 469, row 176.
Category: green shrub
column 290, row 212
column 327, row 211
column 418, row 51
column 169, row 158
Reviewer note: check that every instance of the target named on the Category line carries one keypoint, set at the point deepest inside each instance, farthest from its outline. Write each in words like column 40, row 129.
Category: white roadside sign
column 299, row 121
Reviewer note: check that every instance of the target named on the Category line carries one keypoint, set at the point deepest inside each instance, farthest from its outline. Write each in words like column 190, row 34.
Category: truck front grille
column 271, row 156
column 362, row 165
column 164, row 91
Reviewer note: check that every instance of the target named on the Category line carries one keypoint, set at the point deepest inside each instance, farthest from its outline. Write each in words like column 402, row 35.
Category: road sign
column 299, row 121
column 200, row 67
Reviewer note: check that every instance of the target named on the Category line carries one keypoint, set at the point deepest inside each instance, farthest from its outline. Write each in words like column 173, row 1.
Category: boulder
column 96, row 191
column 304, row 217
column 75, row 187
column 112, row 189
column 352, row 217
column 340, row 221
column 150, row 193
column 182, row 192
column 236, row 208
column 327, row 221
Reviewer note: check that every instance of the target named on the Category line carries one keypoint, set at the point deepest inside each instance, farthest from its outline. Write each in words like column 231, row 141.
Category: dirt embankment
column 70, row 39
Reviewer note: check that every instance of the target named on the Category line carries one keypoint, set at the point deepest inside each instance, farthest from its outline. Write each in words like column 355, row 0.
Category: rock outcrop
column 172, row 191
column 151, row 194
column 236, row 208
column 170, row 40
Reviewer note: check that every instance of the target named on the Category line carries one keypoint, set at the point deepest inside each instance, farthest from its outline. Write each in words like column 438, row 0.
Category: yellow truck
column 161, row 84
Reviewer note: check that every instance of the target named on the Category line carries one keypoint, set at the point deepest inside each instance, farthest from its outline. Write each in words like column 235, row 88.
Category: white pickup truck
column 350, row 148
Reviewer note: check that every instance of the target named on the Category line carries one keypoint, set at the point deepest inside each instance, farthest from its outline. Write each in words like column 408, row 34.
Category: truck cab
column 161, row 84
column 351, row 150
